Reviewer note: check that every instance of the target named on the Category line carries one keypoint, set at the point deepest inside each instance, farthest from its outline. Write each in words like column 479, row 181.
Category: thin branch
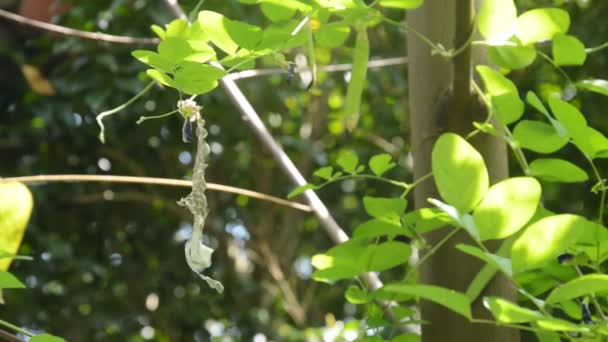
column 373, row 64
column 76, row 33
column 6, row 336
column 154, row 181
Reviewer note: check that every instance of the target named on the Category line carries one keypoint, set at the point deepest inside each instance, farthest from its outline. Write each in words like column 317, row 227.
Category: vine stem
column 430, row 253
column 102, row 115
column 15, row 328
column 155, row 181
column 355, row 176
column 552, row 62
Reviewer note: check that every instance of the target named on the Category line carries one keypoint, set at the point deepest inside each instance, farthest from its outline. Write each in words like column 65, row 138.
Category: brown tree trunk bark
column 441, row 101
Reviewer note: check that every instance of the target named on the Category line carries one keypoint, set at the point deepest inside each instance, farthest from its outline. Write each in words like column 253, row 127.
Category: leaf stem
column 145, row 118
column 596, row 48
column 430, row 253
column 360, row 176
column 557, row 67
column 15, row 328
column 102, row 115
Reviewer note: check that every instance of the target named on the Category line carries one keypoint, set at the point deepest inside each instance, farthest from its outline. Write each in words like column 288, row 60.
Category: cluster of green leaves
column 535, row 239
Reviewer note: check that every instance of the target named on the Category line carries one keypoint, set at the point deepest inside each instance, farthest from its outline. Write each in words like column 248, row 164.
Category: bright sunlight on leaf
column 15, row 209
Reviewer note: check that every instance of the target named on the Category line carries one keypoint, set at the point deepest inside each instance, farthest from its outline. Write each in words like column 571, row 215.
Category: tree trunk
column 441, row 101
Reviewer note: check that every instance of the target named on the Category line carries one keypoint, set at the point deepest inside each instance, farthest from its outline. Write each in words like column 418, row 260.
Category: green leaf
column 498, row 262
column 503, row 95
column 512, row 56
column 332, row 35
column 277, row 12
column 154, row 60
column 385, row 209
column 496, row 19
column 569, row 116
column 245, row 35
column 538, row 136
column 592, row 142
column 459, row 171
column 409, row 337
column 578, row 287
column 380, row 163
column 545, row 239
column 557, row 170
column 15, row 208
column 46, row 338
column 158, row 31
column 356, row 295
column 195, row 78
column 596, row 86
column 507, row 207
column 384, row 256
column 174, row 50
column 352, row 109
column 295, row 192
column 176, row 28
column 215, row 26
column 448, row 298
column 9, row 281
column 542, row 24
column 348, row 161
column 568, row 50
column 535, row 102
column 401, row 4
column 556, row 324
column 324, row 172
column 160, row 77
column 507, row 312
column 375, row 228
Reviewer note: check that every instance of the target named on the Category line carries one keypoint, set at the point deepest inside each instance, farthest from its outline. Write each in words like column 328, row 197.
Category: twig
column 76, row 33
column 154, row 181
column 8, row 337
column 373, row 64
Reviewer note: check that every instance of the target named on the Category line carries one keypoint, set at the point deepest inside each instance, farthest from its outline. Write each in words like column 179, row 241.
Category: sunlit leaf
column 352, row 108
column 324, row 172
column 557, row 170
column 556, row 324
column 500, row 263
column 410, row 337
column 581, row 286
column 15, row 208
column 9, row 281
column 301, row 189
column 568, row 50
column 506, row 312
column 459, row 171
column 387, row 209
column 541, row 24
column 538, row 136
column 348, row 161
column 383, row 256
column 596, row 86
column 174, row 50
column 277, row 12
column 512, row 56
column 196, row 78
column 545, row 239
column 503, row 95
column 46, row 338
column 332, row 35
column 448, row 298
column 507, row 207
column 381, row 163
column 154, row 60
column 160, row 77
column 401, row 4
column 496, row 19
column 375, row 228
column 356, row 295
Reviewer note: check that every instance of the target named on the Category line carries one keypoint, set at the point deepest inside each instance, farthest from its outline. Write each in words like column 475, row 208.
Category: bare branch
column 154, row 181
column 76, row 33
column 373, row 64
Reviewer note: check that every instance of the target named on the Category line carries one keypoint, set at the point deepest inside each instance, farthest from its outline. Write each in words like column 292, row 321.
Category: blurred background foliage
column 109, row 261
